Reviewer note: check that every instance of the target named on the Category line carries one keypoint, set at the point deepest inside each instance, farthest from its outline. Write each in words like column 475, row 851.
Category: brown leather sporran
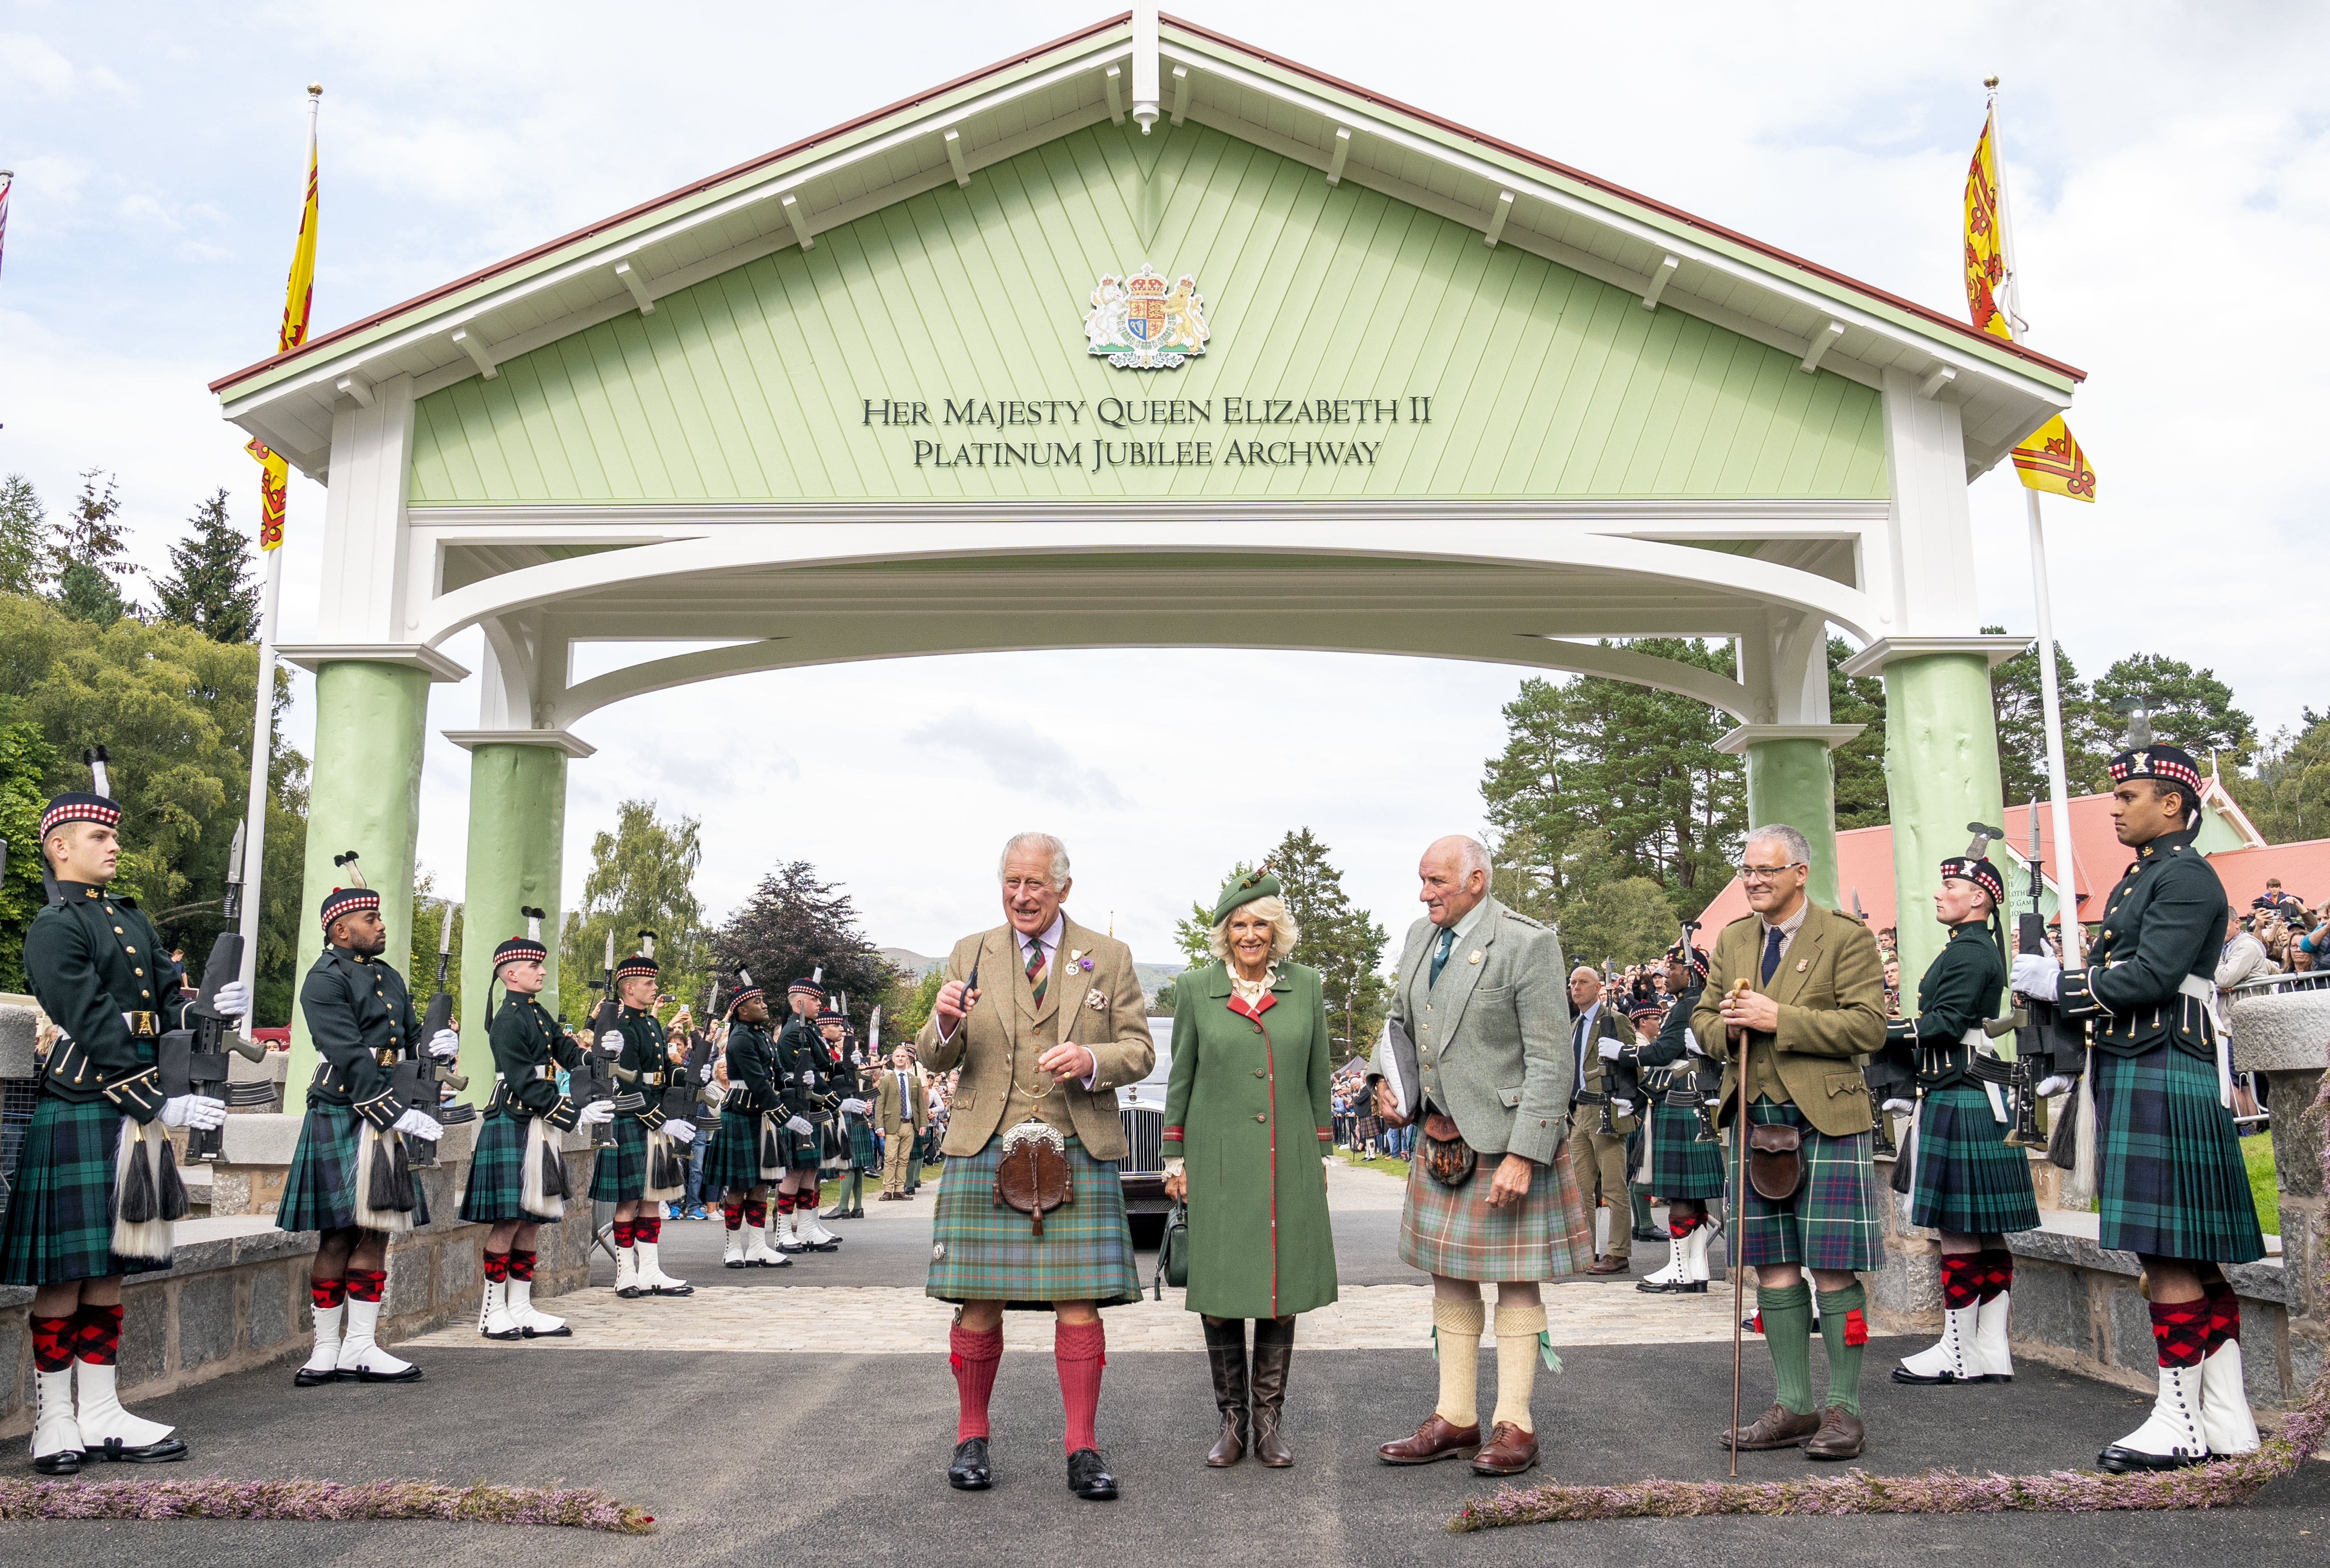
column 1775, row 1160
column 1444, row 1155
column 1033, row 1178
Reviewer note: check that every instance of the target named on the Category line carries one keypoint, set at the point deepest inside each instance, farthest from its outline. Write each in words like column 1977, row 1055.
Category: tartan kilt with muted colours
column 621, row 1175
column 60, row 1224
column 982, row 1250
column 1832, row 1222
column 496, row 1188
column 2170, row 1180
column 1681, row 1166
column 862, row 1152
column 319, row 1190
column 1452, row 1232
column 733, row 1163
column 1968, row 1179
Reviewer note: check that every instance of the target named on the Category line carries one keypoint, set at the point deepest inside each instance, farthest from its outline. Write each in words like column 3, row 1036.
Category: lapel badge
column 1474, row 957
column 1802, row 964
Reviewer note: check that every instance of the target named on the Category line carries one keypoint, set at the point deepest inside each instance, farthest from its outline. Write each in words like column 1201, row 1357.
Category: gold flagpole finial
column 315, row 89
column 1991, row 83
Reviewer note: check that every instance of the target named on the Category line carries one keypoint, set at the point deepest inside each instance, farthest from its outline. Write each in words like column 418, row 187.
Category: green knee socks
column 1843, row 1336
column 1788, row 1316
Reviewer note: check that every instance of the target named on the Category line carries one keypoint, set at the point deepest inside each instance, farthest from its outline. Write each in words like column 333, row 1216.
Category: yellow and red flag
column 298, row 300
column 2050, row 458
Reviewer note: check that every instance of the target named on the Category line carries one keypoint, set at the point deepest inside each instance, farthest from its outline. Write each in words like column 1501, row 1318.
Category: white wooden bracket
column 954, row 156
column 481, row 354
column 1661, row 275
column 1145, row 95
column 1827, row 337
column 636, row 280
column 1115, row 75
column 1335, row 159
column 355, row 386
column 1497, row 216
column 1180, row 93
column 800, row 220
column 1931, row 387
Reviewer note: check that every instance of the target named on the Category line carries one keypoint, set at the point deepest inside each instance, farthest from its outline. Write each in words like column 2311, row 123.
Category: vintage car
column 1142, row 1169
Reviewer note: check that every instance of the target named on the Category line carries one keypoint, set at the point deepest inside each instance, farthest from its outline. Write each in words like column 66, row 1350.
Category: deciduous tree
column 794, row 925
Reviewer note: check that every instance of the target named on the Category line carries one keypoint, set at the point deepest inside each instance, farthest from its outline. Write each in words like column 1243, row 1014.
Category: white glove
column 856, row 1107
column 2037, row 975
column 232, row 1001
column 1622, row 1108
column 799, row 1126
column 1609, row 1050
column 445, row 1043
column 680, row 1133
column 1899, row 1107
column 428, row 1129
column 2050, row 1087
column 704, row 1073
column 595, row 1113
column 195, row 1110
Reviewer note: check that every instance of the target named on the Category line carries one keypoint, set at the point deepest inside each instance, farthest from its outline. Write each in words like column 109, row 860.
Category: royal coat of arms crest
column 1140, row 323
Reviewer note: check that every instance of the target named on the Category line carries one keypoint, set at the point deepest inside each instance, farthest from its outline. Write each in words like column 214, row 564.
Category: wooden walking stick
column 1737, row 1249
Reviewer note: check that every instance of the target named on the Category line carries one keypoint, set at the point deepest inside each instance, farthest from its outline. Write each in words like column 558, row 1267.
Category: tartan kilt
column 2170, row 1180
column 1832, row 1221
column 1681, row 1166
column 621, row 1175
column 496, row 1188
column 60, row 1224
column 1452, row 1232
column 1968, row 1179
column 732, row 1162
column 319, row 1190
column 982, row 1250
column 862, row 1154
column 799, row 1152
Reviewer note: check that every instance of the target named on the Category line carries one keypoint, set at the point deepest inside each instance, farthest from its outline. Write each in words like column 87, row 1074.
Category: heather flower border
column 218, row 1497
column 2226, row 1483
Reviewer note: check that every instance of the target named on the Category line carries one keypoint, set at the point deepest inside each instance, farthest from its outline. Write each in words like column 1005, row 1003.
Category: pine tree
column 210, row 586
column 794, row 925
column 2190, row 708
column 85, row 554
column 23, row 523
column 2022, row 726
column 1860, row 762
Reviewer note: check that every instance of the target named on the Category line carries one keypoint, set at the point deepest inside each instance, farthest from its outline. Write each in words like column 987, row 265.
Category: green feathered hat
column 1252, row 886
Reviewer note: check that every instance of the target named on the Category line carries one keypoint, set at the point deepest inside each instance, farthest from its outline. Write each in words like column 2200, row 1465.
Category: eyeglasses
column 1763, row 874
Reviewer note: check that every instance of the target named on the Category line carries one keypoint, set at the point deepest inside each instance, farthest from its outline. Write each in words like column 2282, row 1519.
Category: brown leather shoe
column 1435, row 1439
column 1777, row 1428
column 1839, row 1436
column 1510, row 1451
column 1609, row 1266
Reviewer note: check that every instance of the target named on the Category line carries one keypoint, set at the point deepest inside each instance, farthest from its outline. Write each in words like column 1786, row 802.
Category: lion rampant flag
column 298, row 299
column 2050, row 458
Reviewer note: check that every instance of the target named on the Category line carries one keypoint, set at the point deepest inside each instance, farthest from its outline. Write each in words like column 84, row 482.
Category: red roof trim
column 1924, row 313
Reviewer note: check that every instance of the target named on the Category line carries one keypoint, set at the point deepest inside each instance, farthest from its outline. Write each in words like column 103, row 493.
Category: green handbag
column 1173, row 1252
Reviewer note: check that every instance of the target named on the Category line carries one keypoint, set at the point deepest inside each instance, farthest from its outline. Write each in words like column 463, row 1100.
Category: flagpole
column 262, row 707
column 2050, row 696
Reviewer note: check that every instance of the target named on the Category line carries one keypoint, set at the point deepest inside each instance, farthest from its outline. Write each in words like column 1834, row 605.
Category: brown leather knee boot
column 1225, row 1355
column 1273, row 1350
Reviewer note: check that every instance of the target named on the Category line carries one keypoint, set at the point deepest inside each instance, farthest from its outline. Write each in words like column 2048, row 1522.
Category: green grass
column 1397, row 1167
column 2257, row 1153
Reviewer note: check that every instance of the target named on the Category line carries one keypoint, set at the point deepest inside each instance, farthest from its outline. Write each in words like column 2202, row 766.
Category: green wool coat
column 1248, row 1108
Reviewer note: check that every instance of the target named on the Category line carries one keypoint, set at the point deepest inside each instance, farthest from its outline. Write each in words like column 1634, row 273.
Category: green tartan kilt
column 862, row 1153
column 497, row 1187
column 799, row 1152
column 1681, row 1166
column 982, row 1250
column 1831, row 1221
column 1968, row 1179
column 1452, row 1232
column 60, row 1224
column 2170, row 1180
column 732, row 1162
column 621, row 1176
column 319, row 1190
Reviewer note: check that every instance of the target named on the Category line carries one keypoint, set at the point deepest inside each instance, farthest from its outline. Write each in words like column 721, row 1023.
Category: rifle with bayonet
column 1890, row 1073
column 2046, row 1044
column 193, row 1058
column 592, row 1078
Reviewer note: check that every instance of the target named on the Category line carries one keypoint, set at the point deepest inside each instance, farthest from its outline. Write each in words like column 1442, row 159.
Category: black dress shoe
column 1088, row 1477
column 1642, row 1235
column 968, row 1472
column 303, row 1378
column 168, row 1451
column 63, row 1462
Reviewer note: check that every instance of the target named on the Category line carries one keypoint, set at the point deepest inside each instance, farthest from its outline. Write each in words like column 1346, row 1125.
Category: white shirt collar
column 1050, row 938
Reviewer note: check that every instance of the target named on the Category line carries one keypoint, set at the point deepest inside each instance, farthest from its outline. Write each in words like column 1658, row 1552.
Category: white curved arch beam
column 1491, row 640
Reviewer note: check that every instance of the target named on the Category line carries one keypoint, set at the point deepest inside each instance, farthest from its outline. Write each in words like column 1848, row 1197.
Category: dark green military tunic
column 2170, row 1180
column 360, row 1020
column 801, row 1065
column 1249, row 1107
column 1966, row 1179
column 622, row 1173
column 529, row 1046
column 97, row 967
column 1681, row 1166
column 733, row 1163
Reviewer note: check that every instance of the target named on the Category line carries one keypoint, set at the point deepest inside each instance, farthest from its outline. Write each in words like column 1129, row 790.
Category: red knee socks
column 625, row 1232
column 1081, row 1349
column 327, row 1294
column 364, row 1284
column 521, row 1266
column 2180, row 1331
column 2224, row 1314
column 649, row 1229
column 498, row 1267
column 1997, row 1266
column 97, row 1334
column 974, row 1358
column 756, row 1215
column 1962, row 1275
column 52, row 1343
column 733, row 1214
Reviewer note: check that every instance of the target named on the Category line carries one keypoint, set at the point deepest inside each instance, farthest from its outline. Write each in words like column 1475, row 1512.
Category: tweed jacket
column 1831, row 990
column 889, row 1115
column 1493, row 1038
column 1100, row 1008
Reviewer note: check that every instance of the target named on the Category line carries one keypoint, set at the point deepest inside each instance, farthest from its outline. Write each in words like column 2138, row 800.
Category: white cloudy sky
column 2170, row 175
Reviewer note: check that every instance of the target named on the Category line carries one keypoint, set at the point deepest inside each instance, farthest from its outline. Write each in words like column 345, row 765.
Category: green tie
column 1440, row 953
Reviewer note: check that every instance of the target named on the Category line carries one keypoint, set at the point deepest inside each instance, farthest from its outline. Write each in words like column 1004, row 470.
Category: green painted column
column 1941, row 773
column 365, row 795
column 1792, row 780
column 517, row 826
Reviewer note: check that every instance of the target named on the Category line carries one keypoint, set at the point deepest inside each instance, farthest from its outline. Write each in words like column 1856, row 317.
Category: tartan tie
column 1039, row 972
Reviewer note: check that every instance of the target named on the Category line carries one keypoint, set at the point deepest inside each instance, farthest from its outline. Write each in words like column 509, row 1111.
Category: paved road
column 777, row 1459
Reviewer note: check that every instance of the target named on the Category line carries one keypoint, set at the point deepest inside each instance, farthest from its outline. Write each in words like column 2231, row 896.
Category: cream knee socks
column 1517, row 1331
column 1456, row 1339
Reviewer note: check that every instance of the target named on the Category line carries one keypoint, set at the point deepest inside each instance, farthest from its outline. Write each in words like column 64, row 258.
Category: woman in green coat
column 1248, row 1115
